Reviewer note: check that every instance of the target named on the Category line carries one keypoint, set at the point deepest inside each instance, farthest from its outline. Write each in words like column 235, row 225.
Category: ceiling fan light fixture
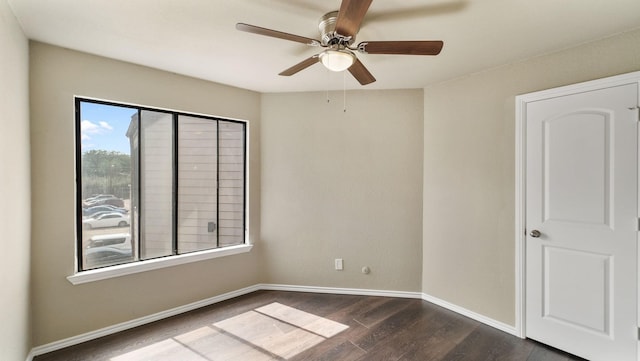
column 337, row 59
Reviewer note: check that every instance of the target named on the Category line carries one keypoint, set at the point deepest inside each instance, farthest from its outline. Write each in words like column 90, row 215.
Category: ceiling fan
column 338, row 31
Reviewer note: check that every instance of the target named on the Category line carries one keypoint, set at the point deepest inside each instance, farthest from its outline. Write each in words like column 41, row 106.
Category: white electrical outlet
column 339, row 265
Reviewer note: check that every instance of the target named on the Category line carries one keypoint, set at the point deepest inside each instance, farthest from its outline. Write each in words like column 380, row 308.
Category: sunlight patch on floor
column 271, row 332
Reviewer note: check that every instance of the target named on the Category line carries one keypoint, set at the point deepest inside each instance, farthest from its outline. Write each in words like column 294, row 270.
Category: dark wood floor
column 379, row 328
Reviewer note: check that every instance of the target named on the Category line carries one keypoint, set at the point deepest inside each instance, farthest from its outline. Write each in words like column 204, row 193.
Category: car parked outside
column 106, row 256
column 99, row 196
column 96, row 198
column 103, row 208
column 97, row 214
column 103, row 199
column 119, row 240
column 110, row 219
column 117, row 202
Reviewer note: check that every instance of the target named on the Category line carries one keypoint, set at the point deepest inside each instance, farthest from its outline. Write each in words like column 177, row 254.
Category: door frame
column 520, row 178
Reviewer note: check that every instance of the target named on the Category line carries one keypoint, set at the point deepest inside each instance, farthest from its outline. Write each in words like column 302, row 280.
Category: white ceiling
column 198, row 37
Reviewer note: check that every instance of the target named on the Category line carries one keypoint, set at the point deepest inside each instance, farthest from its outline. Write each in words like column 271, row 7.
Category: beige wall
column 469, row 176
column 343, row 185
column 60, row 309
column 15, row 185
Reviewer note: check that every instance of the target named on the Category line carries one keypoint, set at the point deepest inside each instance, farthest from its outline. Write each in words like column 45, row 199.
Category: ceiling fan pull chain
column 327, row 77
column 344, row 91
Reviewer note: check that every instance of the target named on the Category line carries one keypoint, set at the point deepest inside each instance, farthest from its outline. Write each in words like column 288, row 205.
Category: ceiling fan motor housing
column 328, row 35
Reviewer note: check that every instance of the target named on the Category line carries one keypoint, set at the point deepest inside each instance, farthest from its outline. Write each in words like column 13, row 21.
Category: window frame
column 136, row 266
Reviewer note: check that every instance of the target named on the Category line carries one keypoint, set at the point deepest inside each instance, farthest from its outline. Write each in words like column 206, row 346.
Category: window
column 154, row 183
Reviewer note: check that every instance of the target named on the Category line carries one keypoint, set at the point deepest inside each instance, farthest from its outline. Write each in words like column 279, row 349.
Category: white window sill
column 142, row 266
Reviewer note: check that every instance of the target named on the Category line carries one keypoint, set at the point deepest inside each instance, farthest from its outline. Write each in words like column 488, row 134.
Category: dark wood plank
column 401, row 319
column 381, row 312
column 546, row 353
column 330, row 351
column 433, row 336
column 379, row 328
column 487, row 343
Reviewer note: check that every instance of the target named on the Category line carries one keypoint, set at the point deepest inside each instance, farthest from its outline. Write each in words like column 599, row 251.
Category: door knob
column 535, row 233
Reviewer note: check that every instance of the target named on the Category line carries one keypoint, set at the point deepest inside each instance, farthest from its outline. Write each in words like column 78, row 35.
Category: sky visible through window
column 105, row 127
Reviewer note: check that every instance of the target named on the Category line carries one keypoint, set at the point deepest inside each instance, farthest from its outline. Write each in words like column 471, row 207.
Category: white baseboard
column 341, row 291
column 473, row 315
column 30, row 356
column 71, row 341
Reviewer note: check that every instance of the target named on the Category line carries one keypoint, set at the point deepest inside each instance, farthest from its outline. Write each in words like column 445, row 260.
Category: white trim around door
column 520, row 176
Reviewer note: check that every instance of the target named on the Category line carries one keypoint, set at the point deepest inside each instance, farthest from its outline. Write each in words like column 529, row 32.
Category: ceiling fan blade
column 301, row 65
column 362, row 75
column 350, row 16
column 401, row 47
column 276, row 34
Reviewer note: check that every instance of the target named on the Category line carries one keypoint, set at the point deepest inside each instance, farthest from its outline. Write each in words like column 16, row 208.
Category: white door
column 582, row 222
